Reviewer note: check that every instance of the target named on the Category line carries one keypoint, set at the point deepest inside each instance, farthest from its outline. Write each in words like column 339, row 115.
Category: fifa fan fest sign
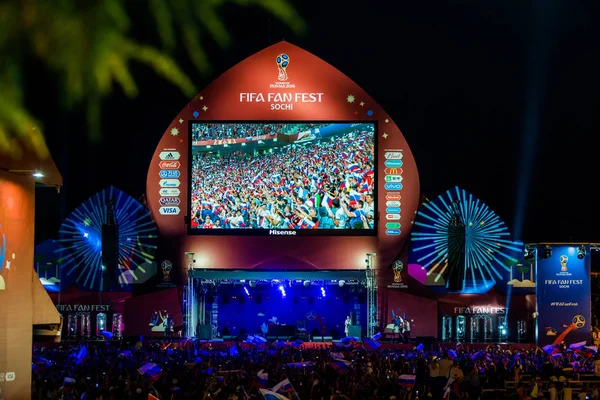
column 563, row 295
column 295, row 160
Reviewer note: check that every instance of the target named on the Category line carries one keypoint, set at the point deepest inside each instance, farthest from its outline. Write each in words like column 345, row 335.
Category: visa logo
column 392, row 232
column 169, row 173
column 393, row 186
column 169, row 210
column 392, row 217
column 392, row 210
column 393, row 163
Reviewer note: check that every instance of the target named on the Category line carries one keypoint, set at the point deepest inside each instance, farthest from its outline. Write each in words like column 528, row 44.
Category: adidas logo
column 169, row 156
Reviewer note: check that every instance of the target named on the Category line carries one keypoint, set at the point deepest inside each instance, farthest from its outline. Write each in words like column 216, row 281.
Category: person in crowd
column 228, row 370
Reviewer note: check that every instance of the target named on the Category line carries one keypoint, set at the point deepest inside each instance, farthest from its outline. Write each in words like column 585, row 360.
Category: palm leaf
column 89, row 47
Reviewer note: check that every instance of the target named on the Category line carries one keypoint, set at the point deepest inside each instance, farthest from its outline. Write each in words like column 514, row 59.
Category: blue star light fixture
column 81, row 237
column 489, row 251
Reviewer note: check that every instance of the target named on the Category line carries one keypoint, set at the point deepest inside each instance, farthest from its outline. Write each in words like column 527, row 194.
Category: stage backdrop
column 563, row 295
column 283, row 83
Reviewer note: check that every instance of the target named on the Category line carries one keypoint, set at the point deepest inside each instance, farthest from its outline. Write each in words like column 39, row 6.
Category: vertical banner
column 563, row 295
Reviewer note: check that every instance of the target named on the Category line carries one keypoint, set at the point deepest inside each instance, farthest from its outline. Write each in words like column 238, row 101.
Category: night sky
column 501, row 98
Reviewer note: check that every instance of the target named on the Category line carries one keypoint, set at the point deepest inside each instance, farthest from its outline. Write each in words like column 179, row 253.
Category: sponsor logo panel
column 169, row 201
column 168, row 192
column 169, row 173
column 393, row 178
column 393, row 163
column 169, row 210
column 393, row 155
column 393, row 186
column 170, row 183
column 169, row 155
column 169, row 164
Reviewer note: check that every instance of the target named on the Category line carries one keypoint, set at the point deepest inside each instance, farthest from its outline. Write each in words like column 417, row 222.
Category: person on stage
column 347, row 324
column 168, row 325
column 406, row 331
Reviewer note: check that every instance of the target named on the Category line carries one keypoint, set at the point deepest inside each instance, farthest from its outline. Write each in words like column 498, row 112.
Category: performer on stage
column 168, row 325
column 347, row 324
column 406, row 331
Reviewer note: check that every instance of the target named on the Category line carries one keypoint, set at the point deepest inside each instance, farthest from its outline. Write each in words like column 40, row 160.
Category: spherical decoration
column 342, row 283
column 252, row 283
column 579, row 321
column 306, row 283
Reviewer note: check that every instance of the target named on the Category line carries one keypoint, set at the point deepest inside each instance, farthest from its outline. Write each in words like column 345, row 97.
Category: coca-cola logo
column 169, row 201
column 169, row 164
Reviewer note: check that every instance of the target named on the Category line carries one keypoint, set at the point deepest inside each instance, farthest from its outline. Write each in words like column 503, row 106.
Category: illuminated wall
column 16, row 274
column 264, row 88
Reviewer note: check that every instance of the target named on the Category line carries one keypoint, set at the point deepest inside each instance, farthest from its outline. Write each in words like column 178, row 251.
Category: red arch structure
column 318, row 92
column 340, row 100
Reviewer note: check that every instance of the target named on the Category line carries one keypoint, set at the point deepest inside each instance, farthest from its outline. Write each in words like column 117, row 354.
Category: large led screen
column 282, row 178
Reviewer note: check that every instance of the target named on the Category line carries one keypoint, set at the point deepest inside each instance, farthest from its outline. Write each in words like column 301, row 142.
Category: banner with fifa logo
column 563, row 294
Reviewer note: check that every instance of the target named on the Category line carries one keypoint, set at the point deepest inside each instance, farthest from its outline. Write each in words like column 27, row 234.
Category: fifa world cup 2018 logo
column 398, row 267
column 166, row 269
column 563, row 263
column 283, row 60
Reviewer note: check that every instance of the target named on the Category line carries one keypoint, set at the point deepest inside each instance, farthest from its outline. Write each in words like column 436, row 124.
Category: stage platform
column 384, row 346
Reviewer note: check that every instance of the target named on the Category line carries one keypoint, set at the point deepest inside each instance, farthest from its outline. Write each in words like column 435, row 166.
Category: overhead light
column 38, row 174
column 529, row 253
column 581, row 252
column 547, row 251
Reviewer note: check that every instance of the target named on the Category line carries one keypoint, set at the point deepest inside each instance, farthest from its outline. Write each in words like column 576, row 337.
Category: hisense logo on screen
column 283, row 178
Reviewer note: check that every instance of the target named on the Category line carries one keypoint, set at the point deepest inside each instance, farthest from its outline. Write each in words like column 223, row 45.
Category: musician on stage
column 347, row 324
column 406, row 331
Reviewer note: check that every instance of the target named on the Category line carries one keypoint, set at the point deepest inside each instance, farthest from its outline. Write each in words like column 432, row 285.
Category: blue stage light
column 282, row 290
column 246, row 290
column 323, row 293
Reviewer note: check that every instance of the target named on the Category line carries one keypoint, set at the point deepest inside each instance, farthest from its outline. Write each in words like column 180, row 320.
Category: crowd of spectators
column 350, row 371
column 216, row 131
column 321, row 184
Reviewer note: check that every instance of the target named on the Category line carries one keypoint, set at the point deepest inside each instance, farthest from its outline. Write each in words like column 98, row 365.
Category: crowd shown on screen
column 202, row 132
column 237, row 371
column 325, row 184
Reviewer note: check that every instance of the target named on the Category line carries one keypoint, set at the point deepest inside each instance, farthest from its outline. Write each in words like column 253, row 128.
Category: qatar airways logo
column 281, row 233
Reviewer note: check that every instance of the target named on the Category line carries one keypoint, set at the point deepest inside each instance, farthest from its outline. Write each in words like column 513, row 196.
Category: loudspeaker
column 355, row 330
column 353, row 317
column 204, row 332
column 427, row 341
column 110, row 246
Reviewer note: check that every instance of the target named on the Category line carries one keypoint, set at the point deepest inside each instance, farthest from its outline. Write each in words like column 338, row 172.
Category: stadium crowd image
column 275, row 183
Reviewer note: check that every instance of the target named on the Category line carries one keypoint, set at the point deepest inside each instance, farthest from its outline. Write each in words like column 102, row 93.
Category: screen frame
column 286, row 232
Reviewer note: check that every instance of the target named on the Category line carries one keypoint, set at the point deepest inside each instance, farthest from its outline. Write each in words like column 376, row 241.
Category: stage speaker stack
column 355, row 330
column 204, row 332
column 456, row 254
column 110, row 248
